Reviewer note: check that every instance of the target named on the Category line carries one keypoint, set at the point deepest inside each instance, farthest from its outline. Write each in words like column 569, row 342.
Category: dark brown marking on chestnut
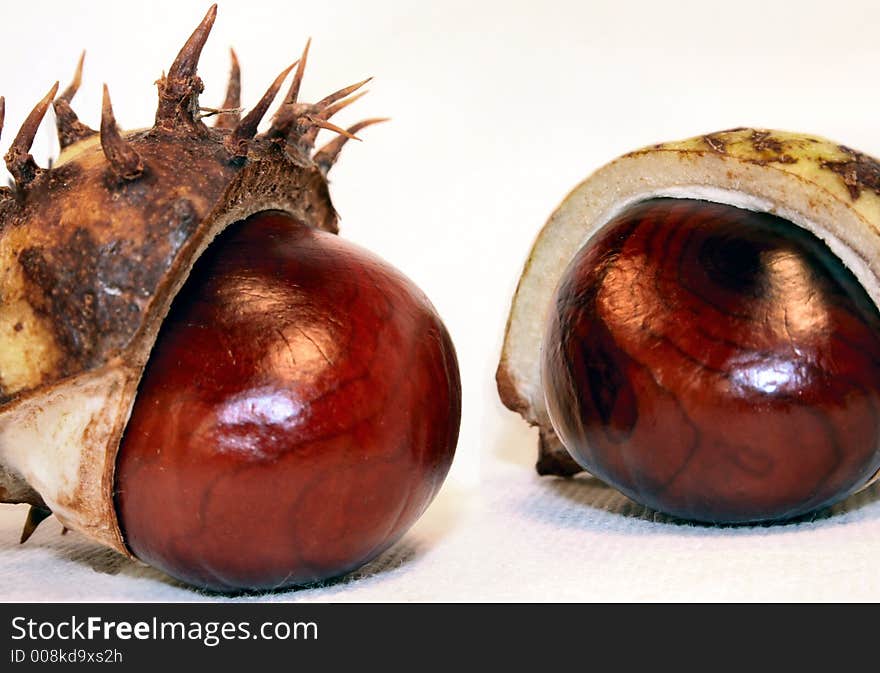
column 18, row 326
column 715, row 363
column 299, row 411
column 858, row 171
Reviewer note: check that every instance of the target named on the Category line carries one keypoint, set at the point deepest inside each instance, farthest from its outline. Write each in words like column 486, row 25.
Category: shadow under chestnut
column 598, row 502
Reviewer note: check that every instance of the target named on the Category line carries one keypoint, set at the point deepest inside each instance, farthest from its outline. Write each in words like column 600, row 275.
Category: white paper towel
column 520, row 538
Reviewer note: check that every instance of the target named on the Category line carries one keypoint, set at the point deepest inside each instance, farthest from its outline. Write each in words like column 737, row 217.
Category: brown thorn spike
column 237, row 141
column 324, row 124
column 285, row 118
column 70, row 128
column 327, row 155
column 18, row 159
column 230, row 112
column 35, row 516
column 338, row 95
column 314, row 123
column 74, row 85
column 179, row 91
column 122, row 157
column 293, row 92
column 326, row 111
column 331, row 110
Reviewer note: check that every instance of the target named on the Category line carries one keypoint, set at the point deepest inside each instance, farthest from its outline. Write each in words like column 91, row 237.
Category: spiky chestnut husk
column 829, row 189
column 93, row 250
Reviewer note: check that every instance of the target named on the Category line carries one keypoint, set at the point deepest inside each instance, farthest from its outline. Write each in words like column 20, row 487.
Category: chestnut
column 711, row 345
column 301, row 405
column 714, row 363
column 195, row 370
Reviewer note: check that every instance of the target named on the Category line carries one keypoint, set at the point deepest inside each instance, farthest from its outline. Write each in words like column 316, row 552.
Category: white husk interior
column 58, row 443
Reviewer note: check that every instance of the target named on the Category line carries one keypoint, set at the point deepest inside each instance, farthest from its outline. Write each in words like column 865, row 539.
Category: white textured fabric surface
column 523, row 538
column 499, row 108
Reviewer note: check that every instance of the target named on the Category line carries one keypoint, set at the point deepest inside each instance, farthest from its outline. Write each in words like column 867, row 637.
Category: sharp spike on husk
column 293, row 92
column 74, row 85
column 18, row 159
column 179, row 91
column 331, row 110
column 326, row 108
column 342, row 93
column 237, row 142
column 324, row 124
column 285, row 118
column 313, row 124
column 187, row 61
column 327, row 155
column 230, row 113
column 122, row 157
column 35, row 516
column 70, row 128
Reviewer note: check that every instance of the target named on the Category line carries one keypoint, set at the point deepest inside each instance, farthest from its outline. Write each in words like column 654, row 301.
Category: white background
column 499, row 109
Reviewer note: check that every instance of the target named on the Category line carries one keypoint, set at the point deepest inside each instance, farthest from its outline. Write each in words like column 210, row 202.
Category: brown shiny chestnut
column 715, row 363
column 299, row 411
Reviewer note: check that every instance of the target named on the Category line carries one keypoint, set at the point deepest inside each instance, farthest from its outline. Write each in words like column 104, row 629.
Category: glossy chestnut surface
column 715, row 363
column 299, row 411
